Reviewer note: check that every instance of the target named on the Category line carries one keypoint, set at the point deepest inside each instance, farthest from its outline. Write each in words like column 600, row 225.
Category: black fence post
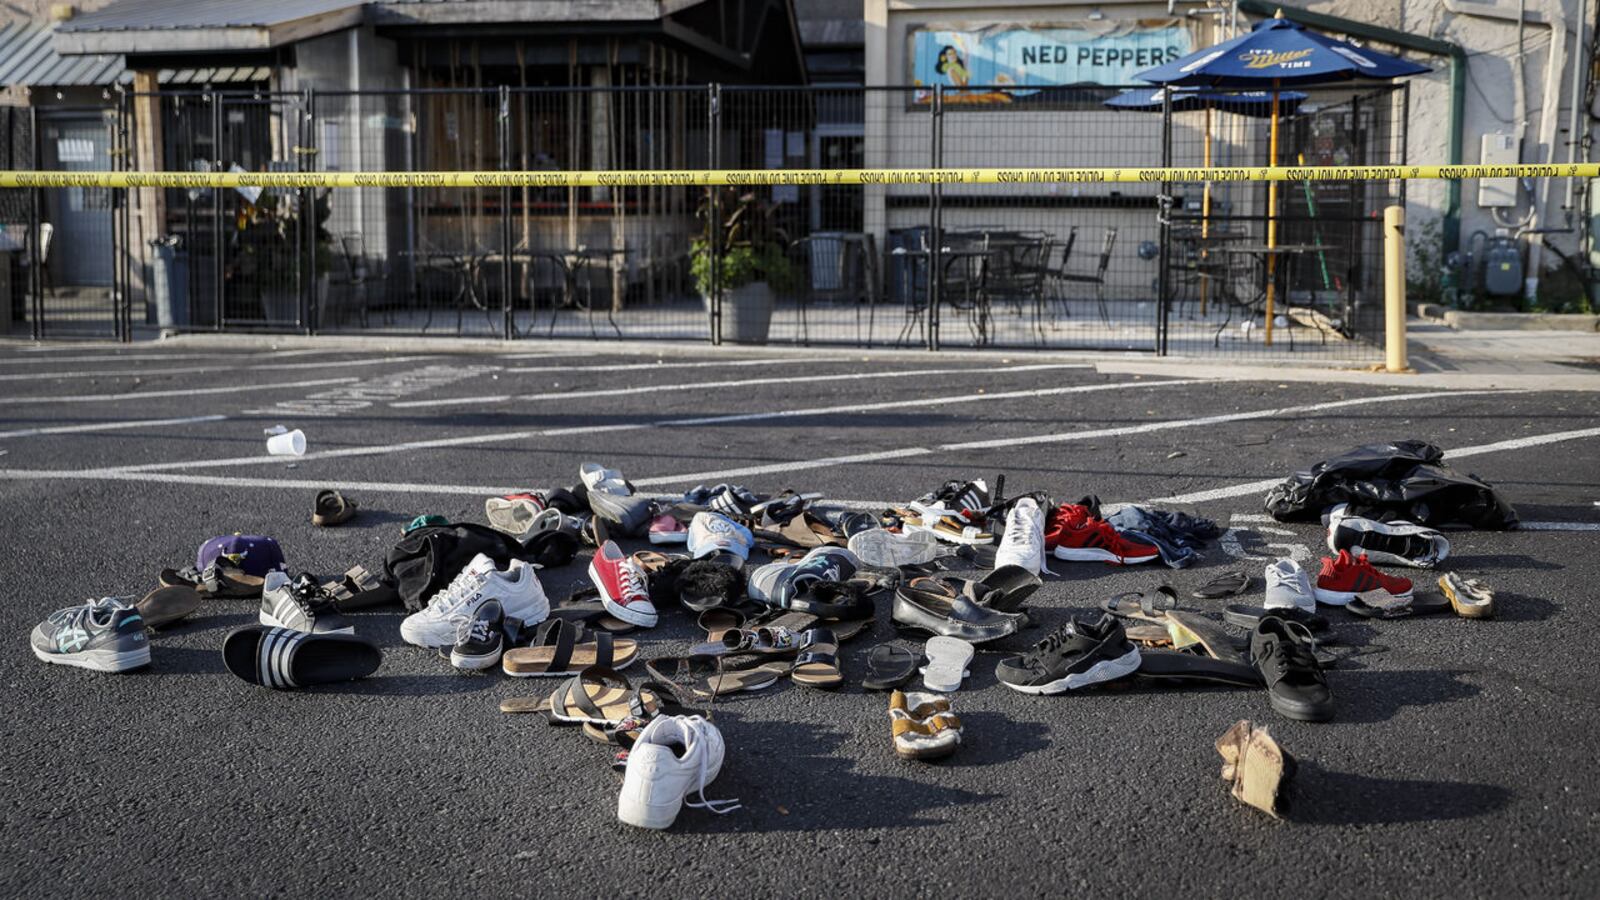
column 714, row 219
column 1164, row 220
column 216, row 212
column 508, row 328
column 306, row 273
column 121, row 294
column 35, row 217
column 935, row 217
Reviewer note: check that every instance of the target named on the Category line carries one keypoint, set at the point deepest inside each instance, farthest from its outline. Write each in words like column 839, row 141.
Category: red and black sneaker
column 1345, row 576
column 624, row 591
column 1072, row 534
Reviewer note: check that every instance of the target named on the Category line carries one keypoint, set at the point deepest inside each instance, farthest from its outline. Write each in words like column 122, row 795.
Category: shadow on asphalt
column 1499, row 562
column 1324, row 797
column 1369, row 695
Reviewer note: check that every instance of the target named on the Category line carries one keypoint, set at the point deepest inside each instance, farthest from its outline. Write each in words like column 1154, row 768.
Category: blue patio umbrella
column 1246, row 103
column 1278, row 52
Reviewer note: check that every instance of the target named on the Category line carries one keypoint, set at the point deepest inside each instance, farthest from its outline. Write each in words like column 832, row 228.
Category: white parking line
column 714, row 364
column 1062, row 437
column 118, row 357
column 711, row 385
column 281, row 483
column 108, row 426
column 186, row 392
column 1256, row 487
column 189, row 370
column 505, row 437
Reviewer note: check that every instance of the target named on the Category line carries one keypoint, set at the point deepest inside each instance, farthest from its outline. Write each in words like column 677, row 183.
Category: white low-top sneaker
column 674, row 757
column 1289, row 587
column 598, row 478
column 1023, row 541
column 517, row 588
column 1385, row 543
column 888, row 549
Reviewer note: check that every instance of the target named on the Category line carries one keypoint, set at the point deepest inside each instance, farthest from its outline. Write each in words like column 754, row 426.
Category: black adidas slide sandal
column 1171, row 665
column 284, row 659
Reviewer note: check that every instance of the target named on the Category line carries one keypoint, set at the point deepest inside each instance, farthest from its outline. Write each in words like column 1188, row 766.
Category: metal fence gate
column 1179, row 268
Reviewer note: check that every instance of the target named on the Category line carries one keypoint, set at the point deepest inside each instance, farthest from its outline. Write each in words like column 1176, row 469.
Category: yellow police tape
column 754, row 177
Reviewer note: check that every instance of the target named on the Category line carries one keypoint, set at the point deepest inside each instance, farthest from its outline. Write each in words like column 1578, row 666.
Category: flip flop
column 1228, row 584
column 1188, row 629
column 721, row 620
column 1380, row 604
column 948, row 658
column 332, row 508
column 1170, row 665
column 818, row 663
column 890, row 665
column 166, row 605
column 282, row 658
column 519, row 705
column 1004, row 589
column 1241, row 615
column 558, row 648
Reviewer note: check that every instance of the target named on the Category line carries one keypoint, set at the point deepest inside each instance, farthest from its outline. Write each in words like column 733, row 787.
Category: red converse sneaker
column 1072, row 535
column 1344, row 576
column 622, row 586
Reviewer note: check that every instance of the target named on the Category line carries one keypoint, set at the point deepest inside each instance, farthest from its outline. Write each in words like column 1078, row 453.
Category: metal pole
column 1164, row 222
column 935, row 217
column 1394, row 289
column 216, row 211
column 508, row 328
column 306, row 273
column 714, row 221
column 35, row 278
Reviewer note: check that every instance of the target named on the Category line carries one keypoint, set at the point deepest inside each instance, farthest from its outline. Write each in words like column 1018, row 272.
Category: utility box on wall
column 1497, row 150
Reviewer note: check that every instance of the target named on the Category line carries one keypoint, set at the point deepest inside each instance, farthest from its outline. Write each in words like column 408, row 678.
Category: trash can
column 169, row 282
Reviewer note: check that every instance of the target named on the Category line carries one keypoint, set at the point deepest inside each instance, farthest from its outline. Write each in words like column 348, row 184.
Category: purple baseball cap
column 254, row 554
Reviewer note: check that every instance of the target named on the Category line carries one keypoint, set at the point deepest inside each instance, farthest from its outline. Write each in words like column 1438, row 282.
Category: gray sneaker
column 300, row 605
column 1289, row 587
column 106, row 635
column 627, row 515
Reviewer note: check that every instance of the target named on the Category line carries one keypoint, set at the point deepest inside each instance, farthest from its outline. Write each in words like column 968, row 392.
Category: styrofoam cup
column 291, row 444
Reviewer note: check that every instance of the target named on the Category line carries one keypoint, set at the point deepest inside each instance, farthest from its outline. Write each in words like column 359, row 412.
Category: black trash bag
column 1399, row 480
column 427, row 559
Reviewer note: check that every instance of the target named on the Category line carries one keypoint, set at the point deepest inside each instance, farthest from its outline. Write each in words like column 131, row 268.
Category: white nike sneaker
column 517, row 588
column 1395, row 543
column 1022, row 544
column 673, row 757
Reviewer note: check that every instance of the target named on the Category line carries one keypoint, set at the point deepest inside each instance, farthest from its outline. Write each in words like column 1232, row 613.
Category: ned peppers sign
column 970, row 63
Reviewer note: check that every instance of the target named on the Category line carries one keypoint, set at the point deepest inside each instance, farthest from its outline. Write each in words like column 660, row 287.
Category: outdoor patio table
column 465, row 266
column 1288, row 256
column 572, row 264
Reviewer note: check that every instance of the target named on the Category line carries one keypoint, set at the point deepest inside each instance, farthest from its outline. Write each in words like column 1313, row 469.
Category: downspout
column 1553, row 17
column 1450, row 222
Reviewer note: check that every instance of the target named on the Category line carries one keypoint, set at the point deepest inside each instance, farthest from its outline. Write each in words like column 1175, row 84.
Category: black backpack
column 425, row 560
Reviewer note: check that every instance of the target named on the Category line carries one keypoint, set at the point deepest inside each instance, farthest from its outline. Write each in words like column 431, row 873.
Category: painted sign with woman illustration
column 971, row 63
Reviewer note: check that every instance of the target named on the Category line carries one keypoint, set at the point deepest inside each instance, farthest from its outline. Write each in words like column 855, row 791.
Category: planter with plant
column 749, row 246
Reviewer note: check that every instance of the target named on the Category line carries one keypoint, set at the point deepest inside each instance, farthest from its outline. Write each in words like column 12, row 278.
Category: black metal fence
column 1179, row 268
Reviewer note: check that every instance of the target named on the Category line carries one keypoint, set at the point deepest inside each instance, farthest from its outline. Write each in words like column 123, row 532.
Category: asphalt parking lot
column 1458, row 763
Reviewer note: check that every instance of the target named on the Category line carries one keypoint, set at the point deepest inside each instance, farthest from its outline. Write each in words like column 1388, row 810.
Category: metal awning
column 200, row 26
column 27, row 57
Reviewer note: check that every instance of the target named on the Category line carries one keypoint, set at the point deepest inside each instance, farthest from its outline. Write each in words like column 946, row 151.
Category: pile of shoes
column 778, row 584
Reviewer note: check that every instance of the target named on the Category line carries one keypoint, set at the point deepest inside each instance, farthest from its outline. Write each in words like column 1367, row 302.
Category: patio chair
column 1097, row 278
column 1018, row 269
column 355, row 276
column 839, row 268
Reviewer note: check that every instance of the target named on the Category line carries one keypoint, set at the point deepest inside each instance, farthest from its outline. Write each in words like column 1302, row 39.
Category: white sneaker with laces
column 517, row 589
column 1022, row 544
column 1289, row 587
column 674, row 757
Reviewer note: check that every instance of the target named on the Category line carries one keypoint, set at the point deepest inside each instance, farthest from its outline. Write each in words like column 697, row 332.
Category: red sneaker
column 623, row 589
column 1071, row 534
column 1344, row 576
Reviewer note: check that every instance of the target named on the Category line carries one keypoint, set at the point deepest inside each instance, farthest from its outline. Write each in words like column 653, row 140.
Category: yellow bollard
column 1394, row 289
